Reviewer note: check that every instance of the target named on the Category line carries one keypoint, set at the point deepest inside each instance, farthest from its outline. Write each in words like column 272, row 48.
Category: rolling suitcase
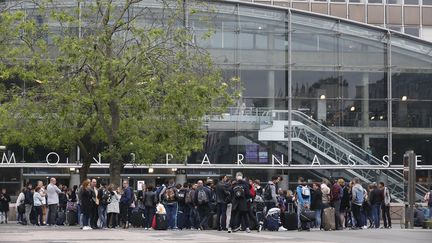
column 71, row 218
column 328, row 219
column 161, row 222
column 289, row 218
column 137, row 218
column 61, row 217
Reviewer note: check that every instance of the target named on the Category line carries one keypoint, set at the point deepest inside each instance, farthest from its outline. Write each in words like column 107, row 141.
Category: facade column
column 271, row 89
column 365, row 108
column 284, row 183
column 180, row 178
column 74, row 180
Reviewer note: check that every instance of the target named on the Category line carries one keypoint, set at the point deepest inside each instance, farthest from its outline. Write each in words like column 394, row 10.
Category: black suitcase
column 61, row 217
column 71, row 218
column 161, row 222
column 212, row 222
column 137, row 218
column 289, row 220
column 33, row 217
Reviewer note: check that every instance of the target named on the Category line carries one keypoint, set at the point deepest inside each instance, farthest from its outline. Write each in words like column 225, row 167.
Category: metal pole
column 410, row 169
column 389, row 100
column 289, row 67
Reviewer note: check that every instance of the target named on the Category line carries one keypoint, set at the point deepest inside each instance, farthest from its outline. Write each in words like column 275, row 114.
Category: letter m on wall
column 8, row 161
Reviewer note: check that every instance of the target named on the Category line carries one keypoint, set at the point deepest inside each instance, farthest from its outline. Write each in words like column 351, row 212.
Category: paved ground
column 18, row 233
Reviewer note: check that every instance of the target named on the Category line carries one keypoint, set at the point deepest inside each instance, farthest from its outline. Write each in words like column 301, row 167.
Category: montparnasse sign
column 53, row 158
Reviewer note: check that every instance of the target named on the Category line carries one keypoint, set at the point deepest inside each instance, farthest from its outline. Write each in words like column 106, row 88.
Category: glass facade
column 365, row 89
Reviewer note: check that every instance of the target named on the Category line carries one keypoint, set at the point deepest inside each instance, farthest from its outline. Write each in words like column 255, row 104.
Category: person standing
column 202, row 200
column 169, row 200
column 428, row 200
column 316, row 203
column 357, row 200
column 125, row 202
column 4, row 206
column 95, row 204
column 53, row 201
column 113, row 208
column 104, row 198
column 303, row 200
column 385, row 207
column 376, row 199
column 270, row 196
column 240, row 195
column 28, row 201
column 86, row 203
column 150, row 200
column 37, row 203
column 222, row 199
column 335, row 201
column 20, row 207
column 43, row 194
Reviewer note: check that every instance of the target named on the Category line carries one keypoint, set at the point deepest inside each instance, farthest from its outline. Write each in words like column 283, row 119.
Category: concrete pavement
column 19, row 233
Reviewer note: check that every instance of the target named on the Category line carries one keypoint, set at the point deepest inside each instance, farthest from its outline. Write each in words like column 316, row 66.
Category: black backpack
column 267, row 192
column 106, row 197
column 239, row 192
column 181, row 195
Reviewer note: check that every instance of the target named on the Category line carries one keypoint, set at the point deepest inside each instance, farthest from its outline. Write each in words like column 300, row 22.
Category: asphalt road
column 19, row 233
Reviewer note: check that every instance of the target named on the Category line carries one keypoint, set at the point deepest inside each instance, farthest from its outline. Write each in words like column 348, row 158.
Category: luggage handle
column 290, row 208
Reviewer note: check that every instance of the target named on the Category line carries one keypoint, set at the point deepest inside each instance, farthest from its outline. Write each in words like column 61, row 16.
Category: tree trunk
column 116, row 168
column 85, row 168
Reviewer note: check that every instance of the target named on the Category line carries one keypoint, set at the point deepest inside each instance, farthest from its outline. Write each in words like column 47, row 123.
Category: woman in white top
column 37, row 204
column 20, row 207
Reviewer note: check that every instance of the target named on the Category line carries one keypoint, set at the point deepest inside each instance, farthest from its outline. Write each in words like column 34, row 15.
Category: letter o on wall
column 53, row 153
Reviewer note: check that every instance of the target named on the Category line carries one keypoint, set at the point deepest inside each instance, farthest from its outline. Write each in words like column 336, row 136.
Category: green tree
column 120, row 77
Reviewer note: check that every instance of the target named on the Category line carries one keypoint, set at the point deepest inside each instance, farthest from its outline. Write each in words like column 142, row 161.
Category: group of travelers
column 226, row 204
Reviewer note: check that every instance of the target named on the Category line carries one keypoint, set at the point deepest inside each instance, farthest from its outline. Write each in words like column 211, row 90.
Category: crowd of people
column 226, row 204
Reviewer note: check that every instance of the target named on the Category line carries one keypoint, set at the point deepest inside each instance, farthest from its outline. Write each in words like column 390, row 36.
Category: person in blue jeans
column 303, row 200
column 316, row 203
column 376, row 199
column 169, row 200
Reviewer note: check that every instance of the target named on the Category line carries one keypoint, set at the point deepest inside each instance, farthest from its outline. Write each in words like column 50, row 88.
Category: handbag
column 307, row 216
column 71, row 206
column 21, row 209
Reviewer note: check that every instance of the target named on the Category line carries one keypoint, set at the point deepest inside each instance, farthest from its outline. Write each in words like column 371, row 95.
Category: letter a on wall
column 316, row 161
column 206, row 160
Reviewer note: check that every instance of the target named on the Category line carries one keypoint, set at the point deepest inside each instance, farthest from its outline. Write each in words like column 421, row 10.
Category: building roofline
column 330, row 17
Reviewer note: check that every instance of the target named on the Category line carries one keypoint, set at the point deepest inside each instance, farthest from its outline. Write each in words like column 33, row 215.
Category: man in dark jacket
column 28, row 201
column 183, row 209
column 4, row 205
column 202, row 197
column 240, row 194
column 125, row 202
column 335, row 200
column 376, row 198
column 316, row 203
column 222, row 199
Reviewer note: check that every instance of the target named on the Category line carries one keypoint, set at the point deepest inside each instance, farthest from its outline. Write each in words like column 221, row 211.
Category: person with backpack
column 202, row 197
column 335, row 201
column 385, row 207
column 169, row 200
column 104, row 197
column 428, row 199
column 270, row 196
column 303, row 200
column 357, row 194
column 240, row 195
column 190, row 203
column 223, row 196
column 150, row 200
column 28, row 202
column 183, row 209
